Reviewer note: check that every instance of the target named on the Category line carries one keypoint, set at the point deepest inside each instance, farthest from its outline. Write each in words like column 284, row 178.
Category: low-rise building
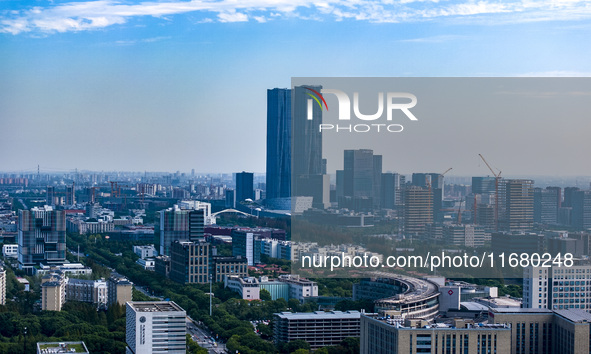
column 383, row 335
column 62, row 347
column 299, row 288
column 319, row 329
column 545, row 331
column 148, row 251
column 247, row 287
column 92, row 291
column 147, row 263
column 10, row 250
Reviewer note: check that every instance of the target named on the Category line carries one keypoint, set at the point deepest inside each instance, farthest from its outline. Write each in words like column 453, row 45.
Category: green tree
column 265, row 295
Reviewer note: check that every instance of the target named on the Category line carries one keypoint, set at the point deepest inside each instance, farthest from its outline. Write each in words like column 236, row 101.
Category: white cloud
column 89, row 15
column 232, row 17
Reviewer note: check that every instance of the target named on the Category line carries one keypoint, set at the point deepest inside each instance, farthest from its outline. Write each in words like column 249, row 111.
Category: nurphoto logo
column 401, row 101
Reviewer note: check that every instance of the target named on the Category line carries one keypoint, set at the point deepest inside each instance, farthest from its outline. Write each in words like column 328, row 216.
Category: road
column 199, row 335
column 143, row 290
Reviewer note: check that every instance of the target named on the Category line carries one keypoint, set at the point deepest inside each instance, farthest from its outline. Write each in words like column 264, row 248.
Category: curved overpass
column 232, row 211
column 418, row 299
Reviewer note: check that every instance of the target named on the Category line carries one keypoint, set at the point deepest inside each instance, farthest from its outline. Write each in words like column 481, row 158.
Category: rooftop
column 575, row 315
column 154, row 306
column 62, row 347
column 319, row 315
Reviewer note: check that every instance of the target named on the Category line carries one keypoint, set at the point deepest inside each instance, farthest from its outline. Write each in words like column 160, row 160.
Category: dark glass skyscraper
column 244, row 186
column 278, row 143
column 294, row 148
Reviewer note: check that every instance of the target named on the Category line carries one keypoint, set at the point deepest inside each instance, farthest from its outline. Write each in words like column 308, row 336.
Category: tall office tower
column 546, row 204
column 155, row 327
column 190, row 262
column 181, row 224
column 244, row 186
column 391, row 196
column 278, row 144
column 483, row 185
column 519, row 205
column 360, row 180
column 568, row 196
column 294, row 143
column 306, row 137
column 309, row 178
column 418, row 210
column 558, row 192
column 581, row 210
column 41, row 237
column 50, row 197
column 70, row 195
column 433, row 182
column 2, row 286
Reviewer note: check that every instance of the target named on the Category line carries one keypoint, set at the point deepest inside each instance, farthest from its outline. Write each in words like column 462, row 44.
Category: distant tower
column 278, row 143
column 244, row 186
column 519, row 205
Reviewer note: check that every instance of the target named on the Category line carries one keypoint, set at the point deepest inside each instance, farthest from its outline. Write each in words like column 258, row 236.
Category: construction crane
column 497, row 179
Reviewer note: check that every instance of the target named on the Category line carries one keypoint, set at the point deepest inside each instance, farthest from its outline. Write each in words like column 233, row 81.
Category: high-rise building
column 190, row 262
column 278, row 143
column 568, row 196
column 518, row 214
column 546, row 204
column 418, row 209
column 41, row 237
column 294, row 149
column 70, row 195
column 155, row 327
column 180, row 223
column 483, row 185
column 247, row 245
column 581, row 210
column 433, row 182
column 50, row 196
column 230, row 198
column 361, row 180
column 306, row 137
column 391, row 190
column 244, row 186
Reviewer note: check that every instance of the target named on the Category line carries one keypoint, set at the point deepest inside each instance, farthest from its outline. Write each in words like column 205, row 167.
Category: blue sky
column 176, row 85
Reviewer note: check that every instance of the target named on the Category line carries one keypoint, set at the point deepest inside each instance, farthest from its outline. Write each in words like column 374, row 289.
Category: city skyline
column 166, row 86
